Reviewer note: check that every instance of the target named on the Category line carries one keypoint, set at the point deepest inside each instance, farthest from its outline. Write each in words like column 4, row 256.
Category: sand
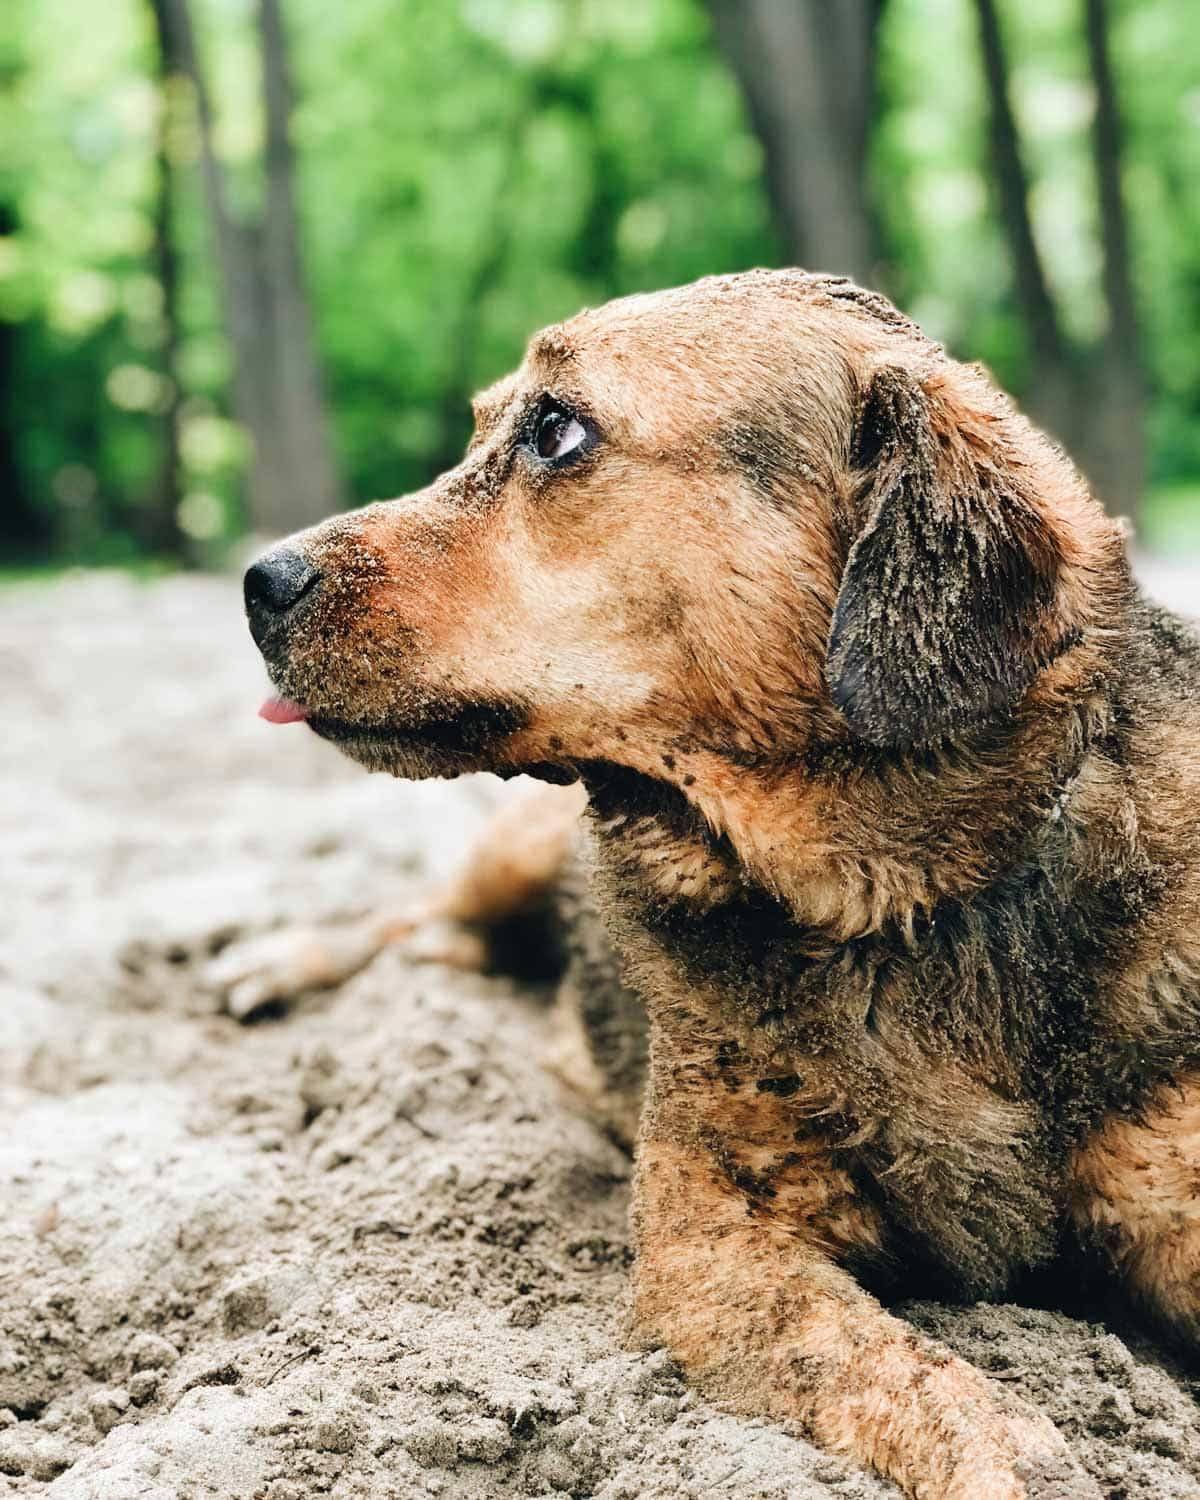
column 367, row 1245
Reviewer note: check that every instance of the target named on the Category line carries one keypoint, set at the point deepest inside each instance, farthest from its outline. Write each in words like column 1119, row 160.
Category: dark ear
column 946, row 607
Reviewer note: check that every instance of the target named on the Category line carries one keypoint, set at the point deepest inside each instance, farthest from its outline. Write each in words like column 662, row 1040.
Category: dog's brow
column 488, row 406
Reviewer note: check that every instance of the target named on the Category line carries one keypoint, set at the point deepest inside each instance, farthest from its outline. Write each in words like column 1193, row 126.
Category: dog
column 888, row 780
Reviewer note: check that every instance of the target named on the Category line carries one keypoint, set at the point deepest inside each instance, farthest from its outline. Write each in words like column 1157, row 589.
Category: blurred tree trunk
column 160, row 526
column 304, row 456
column 807, row 72
column 276, row 385
column 1012, row 187
column 1121, row 422
column 1095, row 408
column 24, row 528
column 1054, row 395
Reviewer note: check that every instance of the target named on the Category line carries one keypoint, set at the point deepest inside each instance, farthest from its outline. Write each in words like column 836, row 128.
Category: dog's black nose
column 274, row 584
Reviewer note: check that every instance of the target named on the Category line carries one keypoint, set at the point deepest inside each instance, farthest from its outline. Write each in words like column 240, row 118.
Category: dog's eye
column 556, row 433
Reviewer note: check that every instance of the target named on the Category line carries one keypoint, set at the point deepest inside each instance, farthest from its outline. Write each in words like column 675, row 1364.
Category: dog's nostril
column 277, row 581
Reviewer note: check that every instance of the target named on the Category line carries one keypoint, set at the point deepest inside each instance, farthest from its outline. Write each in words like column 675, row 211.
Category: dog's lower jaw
column 765, row 1322
column 432, row 739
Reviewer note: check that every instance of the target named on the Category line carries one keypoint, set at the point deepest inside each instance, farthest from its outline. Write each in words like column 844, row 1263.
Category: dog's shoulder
column 953, row 1059
column 1151, row 992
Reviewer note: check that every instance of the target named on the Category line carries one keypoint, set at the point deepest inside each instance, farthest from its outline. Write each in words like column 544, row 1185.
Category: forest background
column 255, row 255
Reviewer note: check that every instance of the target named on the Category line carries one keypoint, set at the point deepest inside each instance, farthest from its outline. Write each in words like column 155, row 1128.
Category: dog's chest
column 807, row 1077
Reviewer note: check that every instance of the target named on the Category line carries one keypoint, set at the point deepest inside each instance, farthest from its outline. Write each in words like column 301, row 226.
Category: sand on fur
column 368, row 1245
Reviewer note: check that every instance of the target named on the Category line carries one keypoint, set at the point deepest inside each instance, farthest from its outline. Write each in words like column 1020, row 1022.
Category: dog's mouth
column 343, row 730
column 436, row 739
column 448, row 740
column 277, row 710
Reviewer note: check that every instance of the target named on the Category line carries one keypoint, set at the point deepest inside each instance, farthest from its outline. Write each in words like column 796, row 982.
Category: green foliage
column 515, row 163
column 472, row 169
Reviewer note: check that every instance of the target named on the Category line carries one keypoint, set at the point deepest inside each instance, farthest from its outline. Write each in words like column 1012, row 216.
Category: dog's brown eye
column 557, row 433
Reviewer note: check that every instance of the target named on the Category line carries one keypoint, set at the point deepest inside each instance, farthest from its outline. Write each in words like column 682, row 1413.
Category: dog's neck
column 850, row 841
column 658, row 839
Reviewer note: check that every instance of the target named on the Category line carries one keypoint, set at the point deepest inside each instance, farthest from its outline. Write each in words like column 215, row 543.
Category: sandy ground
column 368, row 1246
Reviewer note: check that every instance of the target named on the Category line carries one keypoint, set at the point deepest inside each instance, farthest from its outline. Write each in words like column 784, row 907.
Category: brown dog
column 892, row 783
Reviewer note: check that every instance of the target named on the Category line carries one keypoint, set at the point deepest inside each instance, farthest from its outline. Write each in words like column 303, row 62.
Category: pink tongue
column 282, row 711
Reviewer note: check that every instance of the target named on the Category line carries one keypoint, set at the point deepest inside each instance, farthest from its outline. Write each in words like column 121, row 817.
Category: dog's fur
column 892, row 785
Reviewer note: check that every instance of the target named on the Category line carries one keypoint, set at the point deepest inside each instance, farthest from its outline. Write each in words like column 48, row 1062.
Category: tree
column 1095, row 407
column 301, row 447
column 276, row 384
column 807, row 69
column 160, row 527
column 23, row 528
column 1053, row 396
column 1121, row 424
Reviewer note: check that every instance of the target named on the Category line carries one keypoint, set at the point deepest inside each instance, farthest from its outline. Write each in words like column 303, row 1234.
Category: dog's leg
column 599, row 1032
column 1136, row 1195
column 511, row 870
column 738, row 1276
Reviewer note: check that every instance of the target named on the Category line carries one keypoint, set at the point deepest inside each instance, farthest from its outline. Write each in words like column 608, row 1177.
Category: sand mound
column 367, row 1247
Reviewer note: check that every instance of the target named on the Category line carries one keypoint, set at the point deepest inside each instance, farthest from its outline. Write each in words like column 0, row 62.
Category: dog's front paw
column 279, row 966
column 1041, row 1468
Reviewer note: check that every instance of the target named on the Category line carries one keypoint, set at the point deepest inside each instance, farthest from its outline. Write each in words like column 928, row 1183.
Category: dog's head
column 704, row 529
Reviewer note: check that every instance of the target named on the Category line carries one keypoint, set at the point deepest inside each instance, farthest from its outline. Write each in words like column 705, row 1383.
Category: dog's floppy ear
column 945, row 610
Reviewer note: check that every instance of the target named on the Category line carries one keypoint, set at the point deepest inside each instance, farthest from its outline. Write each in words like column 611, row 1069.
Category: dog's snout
column 275, row 584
